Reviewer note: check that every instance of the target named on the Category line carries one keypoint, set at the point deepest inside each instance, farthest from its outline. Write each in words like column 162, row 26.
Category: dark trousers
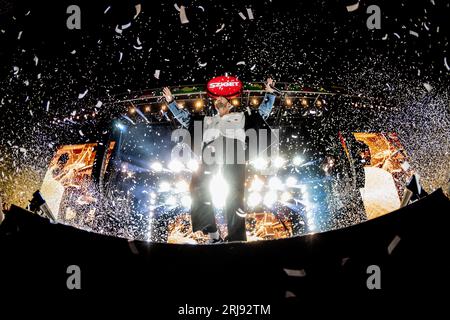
column 202, row 208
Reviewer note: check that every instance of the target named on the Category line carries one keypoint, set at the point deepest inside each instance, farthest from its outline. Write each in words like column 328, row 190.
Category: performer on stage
column 221, row 131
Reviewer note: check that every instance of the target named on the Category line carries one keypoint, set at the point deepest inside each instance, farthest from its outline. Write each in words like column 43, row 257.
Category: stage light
column 304, row 102
column 193, row 165
column 318, row 103
column 270, row 198
column 171, row 201
column 147, row 109
column 164, row 108
column 186, row 201
column 235, row 102
column 120, row 126
column 218, row 188
column 259, row 163
column 297, row 160
column 291, row 182
column 254, row 101
column 180, row 104
column 198, row 104
column 254, row 199
column 164, row 186
column 182, row 186
column 275, row 183
column 175, row 166
column 288, row 102
column 278, row 162
column 286, row 196
column 156, row 166
column 257, row 184
column 131, row 110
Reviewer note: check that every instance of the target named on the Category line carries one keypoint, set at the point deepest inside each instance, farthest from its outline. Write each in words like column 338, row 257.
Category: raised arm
column 269, row 98
column 183, row 116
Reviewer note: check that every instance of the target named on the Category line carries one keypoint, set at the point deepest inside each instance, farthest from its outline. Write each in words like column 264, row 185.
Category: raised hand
column 167, row 95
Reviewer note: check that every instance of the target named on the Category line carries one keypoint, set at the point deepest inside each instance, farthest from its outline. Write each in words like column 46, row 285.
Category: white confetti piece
column 156, row 75
column 138, row 8
column 27, row 83
column 120, row 56
column 240, row 63
column 428, row 87
column 81, row 133
column 289, row 294
column 221, row 28
column 201, row 7
column 81, row 95
column 73, row 51
column 31, row 113
column 295, row 273
column 413, row 33
column 27, row 14
column 47, row 107
column 137, row 47
column 385, row 37
column 397, row 35
column 393, row 244
column 19, row 35
column 126, row 26
column 118, row 30
column 426, row 27
column 36, row 60
column 253, row 67
column 138, row 41
column 183, row 17
column 177, row 7
column 353, row 7
column 242, row 16
column 99, row 104
column 446, row 64
column 23, row 150
column 16, row 69
column 432, row 2
column 39, row 76
column 202, row 64
column 250, row 13
column 106, row 10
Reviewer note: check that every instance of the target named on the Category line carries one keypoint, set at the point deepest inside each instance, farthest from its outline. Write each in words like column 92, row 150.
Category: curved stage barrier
column 408, row 246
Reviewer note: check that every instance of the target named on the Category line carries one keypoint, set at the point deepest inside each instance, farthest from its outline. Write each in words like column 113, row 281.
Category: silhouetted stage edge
column 410, row 246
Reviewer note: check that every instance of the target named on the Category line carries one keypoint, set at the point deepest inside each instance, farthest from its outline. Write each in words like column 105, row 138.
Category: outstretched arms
column 266, row 106
column 181, row 115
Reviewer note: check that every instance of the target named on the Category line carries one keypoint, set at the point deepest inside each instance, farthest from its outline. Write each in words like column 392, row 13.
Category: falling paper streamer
column 203, row 9
column 118, row 30
column 353, row 7
column 138, row 8
column 413, row 33
column 250, row 13
column 428, row 87
column 397, row 35
column 81, row 95
column 183, row 17
column 242, row 16
column 221, row 28
column 393, row 244
column 385, row 37
column 156, row 75
column 295, row 273
column 446, row 64
column 426, row 27
column 202, row 64
column 240, row 63
column 107, row 9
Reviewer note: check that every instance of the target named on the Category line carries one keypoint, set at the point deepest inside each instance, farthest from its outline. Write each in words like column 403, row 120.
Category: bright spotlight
column 291, row 182
column 257, row 184
column 147, row 109
column 157, row 166
column 297, row 160
column 193, row 165
column 218, row 188
column 304, row 102
column 182, row 186
column 171, row 201
column 270, row 198
column 278, row 162
column 254, row 199
column 286, row 196
column 186, row 201
column 254, row 101
column 275, row 183
column 198, row 104
column 235, row 102
column 131, row 110
column 175, row 166
column 288, row 102
column 164, row 186
column 260, row 163
column 318, row 103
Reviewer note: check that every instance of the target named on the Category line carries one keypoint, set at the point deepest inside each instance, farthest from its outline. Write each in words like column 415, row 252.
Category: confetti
column 413, row 33
column 221, row 28
column 353, row 7
column 156, row 74
column 393, row 244
column 82, row 95
column 295, row 273
column 107, row 9
column 183, row 17
column 242, row 16
column 250, row 13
